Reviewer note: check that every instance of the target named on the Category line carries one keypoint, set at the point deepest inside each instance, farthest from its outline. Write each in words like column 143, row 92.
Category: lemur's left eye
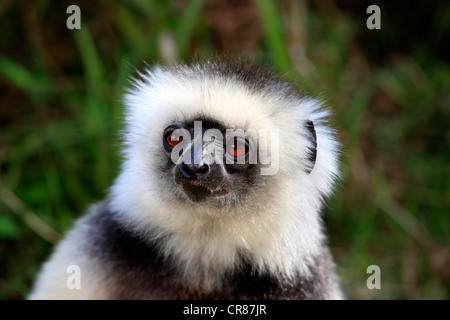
column 238, row 148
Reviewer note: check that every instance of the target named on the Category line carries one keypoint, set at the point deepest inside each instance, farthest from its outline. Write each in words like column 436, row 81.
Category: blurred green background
column 60, row 119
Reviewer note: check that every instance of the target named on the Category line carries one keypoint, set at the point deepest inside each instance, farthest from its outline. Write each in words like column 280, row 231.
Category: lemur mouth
column 202, row 183
column 199, row 192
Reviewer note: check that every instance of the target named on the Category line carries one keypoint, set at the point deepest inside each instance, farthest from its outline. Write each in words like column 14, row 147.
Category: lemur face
column 225, row 136
column 209, row 162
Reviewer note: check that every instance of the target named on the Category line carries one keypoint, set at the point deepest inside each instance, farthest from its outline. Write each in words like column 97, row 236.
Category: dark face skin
column 209, row 167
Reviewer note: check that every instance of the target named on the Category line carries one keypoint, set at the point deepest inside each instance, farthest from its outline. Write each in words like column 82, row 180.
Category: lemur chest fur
column 138, row 270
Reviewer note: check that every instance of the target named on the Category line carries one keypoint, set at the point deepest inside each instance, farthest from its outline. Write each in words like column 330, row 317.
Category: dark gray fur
column 258, row 79
column 312, row 150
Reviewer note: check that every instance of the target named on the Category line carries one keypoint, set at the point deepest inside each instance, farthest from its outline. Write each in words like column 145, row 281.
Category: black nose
column 194, row 171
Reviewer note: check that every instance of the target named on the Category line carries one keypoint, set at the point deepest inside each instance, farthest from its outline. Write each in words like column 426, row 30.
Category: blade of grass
column 275, row 39
column 97, row 115
column 20, row 77
column 186, row 24
column 34, row 222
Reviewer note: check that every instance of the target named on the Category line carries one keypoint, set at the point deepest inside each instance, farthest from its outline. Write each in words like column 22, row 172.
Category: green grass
column 61, row 116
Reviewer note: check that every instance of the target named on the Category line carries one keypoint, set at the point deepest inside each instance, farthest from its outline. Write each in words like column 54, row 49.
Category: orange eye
column 237, row 150
column 173, row 140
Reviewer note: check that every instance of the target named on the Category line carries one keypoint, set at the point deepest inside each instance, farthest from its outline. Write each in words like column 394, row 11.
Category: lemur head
column 220, row 136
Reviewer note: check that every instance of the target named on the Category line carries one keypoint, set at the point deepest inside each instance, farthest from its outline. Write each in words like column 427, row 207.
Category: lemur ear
column 311, row 153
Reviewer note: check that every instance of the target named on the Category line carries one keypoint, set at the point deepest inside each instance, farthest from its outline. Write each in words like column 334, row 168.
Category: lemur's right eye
column 173, row 135
column 238, row 149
